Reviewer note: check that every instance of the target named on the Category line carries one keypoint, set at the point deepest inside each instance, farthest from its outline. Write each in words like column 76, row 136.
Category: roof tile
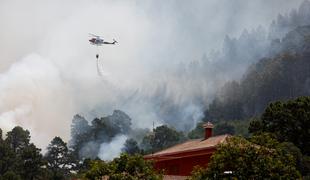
column 191, row 145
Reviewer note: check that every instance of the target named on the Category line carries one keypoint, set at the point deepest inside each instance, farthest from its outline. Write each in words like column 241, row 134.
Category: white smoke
column 9, row 119
column 109, row 151
column 32, row 94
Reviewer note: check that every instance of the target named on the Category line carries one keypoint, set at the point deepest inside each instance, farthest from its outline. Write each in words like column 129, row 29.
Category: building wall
column 182, row 166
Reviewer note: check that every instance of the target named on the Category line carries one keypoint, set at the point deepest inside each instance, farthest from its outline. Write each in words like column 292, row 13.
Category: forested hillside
column 281, row 77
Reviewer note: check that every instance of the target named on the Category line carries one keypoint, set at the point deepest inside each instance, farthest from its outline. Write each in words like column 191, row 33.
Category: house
column 179, row 160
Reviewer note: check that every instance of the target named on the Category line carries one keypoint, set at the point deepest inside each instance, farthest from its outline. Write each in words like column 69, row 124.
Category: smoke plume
column 109, row 151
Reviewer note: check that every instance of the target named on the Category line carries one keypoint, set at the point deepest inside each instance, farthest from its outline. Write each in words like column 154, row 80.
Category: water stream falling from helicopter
column 99, row 63
column 98, row 41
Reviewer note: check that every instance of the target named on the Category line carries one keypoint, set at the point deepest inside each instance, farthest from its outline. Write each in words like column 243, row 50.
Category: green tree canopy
column 1, row 135
column 32, row 162
column 161, row 138
column 224, row 128
column 289, row 121
column 18, row 138
column 131, row 147
column 19, row 158
column 125, row 167
column 7, row 158
column 10, row 175
column 80, row 134
column 58, row 158
column 261, row 157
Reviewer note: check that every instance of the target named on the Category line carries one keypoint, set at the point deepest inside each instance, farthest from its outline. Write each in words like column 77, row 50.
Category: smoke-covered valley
column 171, row 59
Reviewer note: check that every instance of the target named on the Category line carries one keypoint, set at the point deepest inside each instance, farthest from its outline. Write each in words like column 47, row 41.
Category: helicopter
column 98, row 41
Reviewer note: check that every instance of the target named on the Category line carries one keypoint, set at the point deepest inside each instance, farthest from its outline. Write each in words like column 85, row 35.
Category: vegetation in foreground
column 260, row 157
column 278, row 148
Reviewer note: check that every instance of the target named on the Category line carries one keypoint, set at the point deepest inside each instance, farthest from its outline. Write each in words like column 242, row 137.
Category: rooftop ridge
column 192, row 145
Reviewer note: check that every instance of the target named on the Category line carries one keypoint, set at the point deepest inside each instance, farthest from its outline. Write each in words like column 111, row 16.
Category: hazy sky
column 48, row 69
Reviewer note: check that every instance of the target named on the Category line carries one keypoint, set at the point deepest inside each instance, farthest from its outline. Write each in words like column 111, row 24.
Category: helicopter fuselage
column 96, row 41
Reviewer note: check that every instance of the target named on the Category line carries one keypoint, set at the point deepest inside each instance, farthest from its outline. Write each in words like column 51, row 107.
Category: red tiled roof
column 192, row 145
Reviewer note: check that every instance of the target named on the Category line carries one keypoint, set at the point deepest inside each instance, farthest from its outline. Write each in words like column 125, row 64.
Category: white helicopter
column 98, row 41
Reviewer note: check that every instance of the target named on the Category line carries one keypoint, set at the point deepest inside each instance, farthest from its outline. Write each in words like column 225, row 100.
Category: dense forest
column 285, row 76
column 281, row 74
column 221, row 74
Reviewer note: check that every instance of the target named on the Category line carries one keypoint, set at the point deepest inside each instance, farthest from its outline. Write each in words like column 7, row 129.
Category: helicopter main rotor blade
column 94, row 35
